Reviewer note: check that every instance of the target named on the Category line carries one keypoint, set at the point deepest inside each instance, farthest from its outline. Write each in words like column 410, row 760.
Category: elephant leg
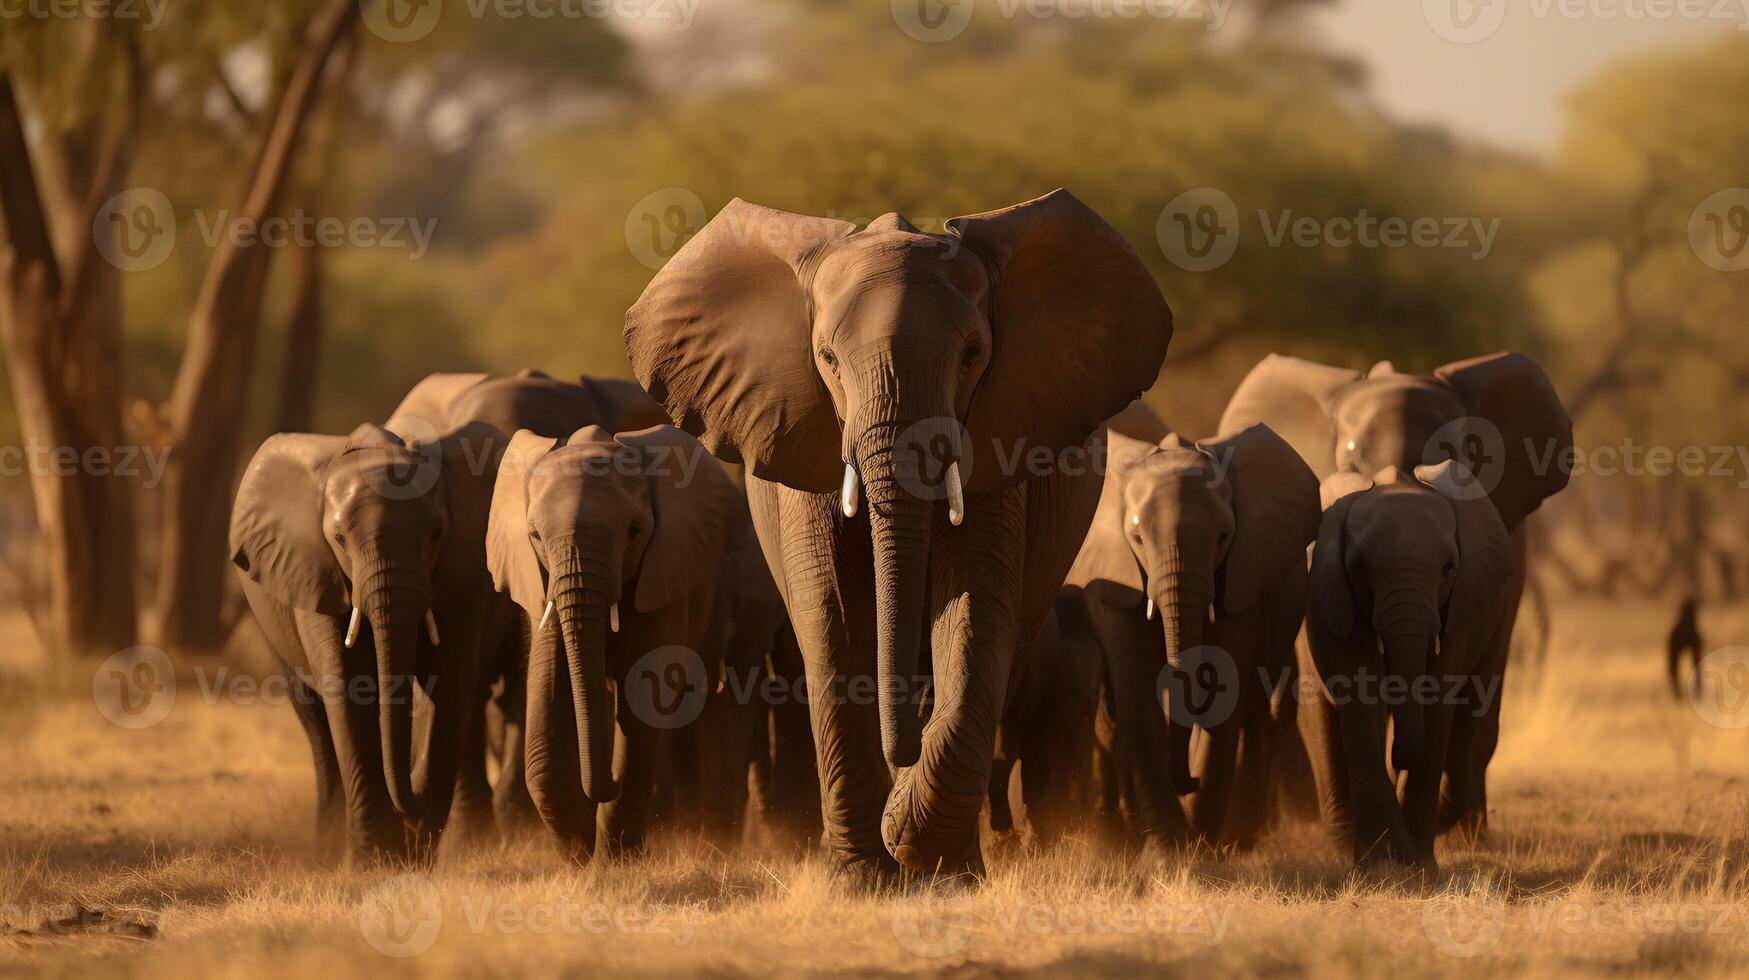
column 637, row 757
column 375, row 832
column 1248, row 813
column 1208, row 808
column 1421, row 785
column 1111, row 791
column 473, row 791
column 457, row 700
column 512, row 806
column 1001, row 814
column 330, row 789
column 795, row 781
column 826, row 570
column 1380, row 831
column 1134, row 656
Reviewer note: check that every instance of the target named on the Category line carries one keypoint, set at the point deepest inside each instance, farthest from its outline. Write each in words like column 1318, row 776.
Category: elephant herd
column 936, row 558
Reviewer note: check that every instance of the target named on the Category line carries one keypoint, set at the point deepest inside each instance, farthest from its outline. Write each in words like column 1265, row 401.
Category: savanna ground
column 1617, row 847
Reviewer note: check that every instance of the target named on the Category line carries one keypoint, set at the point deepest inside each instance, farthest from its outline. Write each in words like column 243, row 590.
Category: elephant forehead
column 900, row 263
column 571, row 466
column 1402, row 409
column 1405, row 509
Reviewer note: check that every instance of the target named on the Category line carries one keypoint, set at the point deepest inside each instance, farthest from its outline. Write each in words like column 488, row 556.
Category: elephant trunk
column 584, row 588
column 1407, row 623
column 395, row 601
column 1182, row 597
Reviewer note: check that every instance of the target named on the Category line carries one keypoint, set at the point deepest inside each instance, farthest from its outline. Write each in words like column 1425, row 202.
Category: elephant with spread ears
column 1209, row 538
column 1402, row 629
column 362, row 557
column 611, row 544
column 912, row 410
column 1498, row 415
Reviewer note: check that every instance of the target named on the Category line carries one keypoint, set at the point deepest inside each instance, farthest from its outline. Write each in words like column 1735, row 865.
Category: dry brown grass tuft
column 1619, row 844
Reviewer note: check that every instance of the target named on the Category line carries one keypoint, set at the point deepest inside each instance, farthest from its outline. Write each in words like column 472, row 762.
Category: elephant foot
column 867, row 874
column 578, row 850
column 929, row 852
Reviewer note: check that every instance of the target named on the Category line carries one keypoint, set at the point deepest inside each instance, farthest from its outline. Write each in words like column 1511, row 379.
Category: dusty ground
column 1618, row 846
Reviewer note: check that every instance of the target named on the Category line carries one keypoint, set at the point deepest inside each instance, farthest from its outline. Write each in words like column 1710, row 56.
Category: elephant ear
column 1078, row 328
column 722, row 339
column 1332, row 596
column 1484, row 556
column 429, row 400
column 470, row 456
column 1106, row 566
column 1295, row 398
column 276, row 524
column 1515, row 394
column 510, row 555
column 622, row 405
column 1275, row 513
column 696, row 506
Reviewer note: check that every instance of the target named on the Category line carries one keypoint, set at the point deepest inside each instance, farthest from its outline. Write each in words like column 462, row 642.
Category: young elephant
column 362, row 559
column 611, row 546
column 1211, row 537
column 1406, row 605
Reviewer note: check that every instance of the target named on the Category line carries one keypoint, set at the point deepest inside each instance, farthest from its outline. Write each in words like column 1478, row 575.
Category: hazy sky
column 1506, row 86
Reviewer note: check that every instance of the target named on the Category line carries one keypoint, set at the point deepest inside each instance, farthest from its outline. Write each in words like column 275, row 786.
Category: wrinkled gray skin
column 325, row 523
column 549, row 407
column 802, row 345
column 1047, row 728
column 1214, row 534
column 1406, row 589
column 1498, row 414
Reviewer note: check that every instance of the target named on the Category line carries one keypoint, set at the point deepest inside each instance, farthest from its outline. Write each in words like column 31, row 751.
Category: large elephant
column 911, row 409
column 1212, row 537
column 1499, row 415
column 331, row 534
column 1402, row 626
column 611, row 544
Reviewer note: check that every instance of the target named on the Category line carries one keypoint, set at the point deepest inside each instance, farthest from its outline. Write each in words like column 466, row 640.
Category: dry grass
column 1618, row 846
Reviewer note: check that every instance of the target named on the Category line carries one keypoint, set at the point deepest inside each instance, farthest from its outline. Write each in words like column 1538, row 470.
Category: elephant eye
column 1449, row 570
column 830, row 359
column 970, row 357
column 533, row 535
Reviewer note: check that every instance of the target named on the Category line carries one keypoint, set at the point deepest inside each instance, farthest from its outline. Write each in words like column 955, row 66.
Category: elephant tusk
column 431, row 627
column 956, row 496
column 352, row 627
column 545, row 615
column 1149, row 612
column 613, row 617
column 1211, row 614
column 852, row 490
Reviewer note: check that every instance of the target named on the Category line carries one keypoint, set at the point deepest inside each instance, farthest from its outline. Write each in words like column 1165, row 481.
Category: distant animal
column 1685, row 641
column 902, row 402
column 1499, row 415
column 1403, row 624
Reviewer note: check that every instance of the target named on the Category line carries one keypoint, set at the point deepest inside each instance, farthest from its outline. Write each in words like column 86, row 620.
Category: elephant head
column 582, row 524
column 1197, row 530
column 531, row 400
column 1410, row 567
column 911, row 369
column 370, row 526
column 1498, row 415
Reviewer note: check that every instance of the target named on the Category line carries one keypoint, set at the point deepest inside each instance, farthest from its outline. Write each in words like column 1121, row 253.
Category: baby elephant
column 1406, row 596
column 611, row 546
column 1210, row 537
